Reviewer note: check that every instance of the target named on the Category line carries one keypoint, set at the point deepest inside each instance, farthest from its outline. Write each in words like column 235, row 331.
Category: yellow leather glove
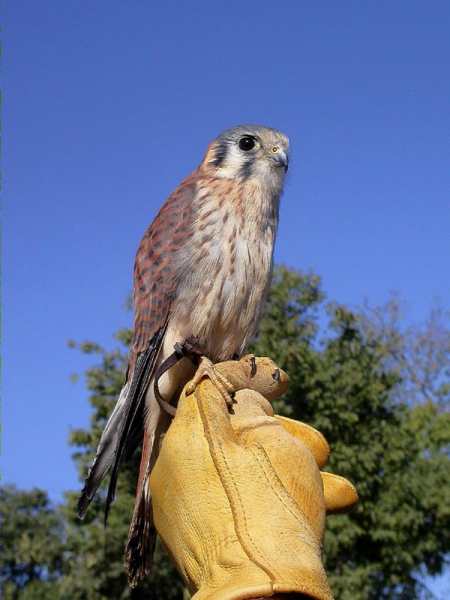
column 239, row 500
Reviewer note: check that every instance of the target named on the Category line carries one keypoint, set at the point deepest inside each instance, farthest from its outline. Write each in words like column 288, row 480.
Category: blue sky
column 108, row 105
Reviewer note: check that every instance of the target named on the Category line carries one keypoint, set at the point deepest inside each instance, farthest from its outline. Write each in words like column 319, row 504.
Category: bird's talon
column 207, row 369
column 231, row 399
column 252, row 366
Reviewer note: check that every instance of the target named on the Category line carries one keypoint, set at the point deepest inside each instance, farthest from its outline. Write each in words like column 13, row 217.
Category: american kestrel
column 201, row 276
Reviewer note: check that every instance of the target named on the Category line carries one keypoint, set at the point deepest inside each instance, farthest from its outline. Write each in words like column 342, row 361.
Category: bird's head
column 250, row 152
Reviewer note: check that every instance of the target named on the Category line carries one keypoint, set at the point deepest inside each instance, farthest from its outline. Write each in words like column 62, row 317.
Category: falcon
column 201, row 276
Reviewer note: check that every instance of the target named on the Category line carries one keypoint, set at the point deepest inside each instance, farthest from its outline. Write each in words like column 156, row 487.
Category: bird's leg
column 187, row 349
column 172, row 360
column 207, row 369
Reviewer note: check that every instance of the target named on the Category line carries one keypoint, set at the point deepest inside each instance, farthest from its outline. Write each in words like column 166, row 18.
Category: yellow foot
column 207, row 369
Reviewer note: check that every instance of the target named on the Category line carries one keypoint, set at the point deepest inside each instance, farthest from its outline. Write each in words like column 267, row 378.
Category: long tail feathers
column 121, row 433
column 105, row 452
column 142, row 533
column 141, row 541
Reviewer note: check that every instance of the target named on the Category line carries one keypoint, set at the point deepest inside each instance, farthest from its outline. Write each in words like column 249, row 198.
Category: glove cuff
column 249, row 581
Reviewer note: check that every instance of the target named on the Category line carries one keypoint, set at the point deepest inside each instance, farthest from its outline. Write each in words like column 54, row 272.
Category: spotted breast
column 230, row 257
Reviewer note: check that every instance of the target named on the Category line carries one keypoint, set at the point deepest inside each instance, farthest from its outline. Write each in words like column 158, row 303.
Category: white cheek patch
column 234, row 167
column 233, row 163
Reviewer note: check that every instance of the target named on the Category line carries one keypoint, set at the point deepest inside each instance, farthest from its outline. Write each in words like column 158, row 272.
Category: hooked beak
column 282, row 160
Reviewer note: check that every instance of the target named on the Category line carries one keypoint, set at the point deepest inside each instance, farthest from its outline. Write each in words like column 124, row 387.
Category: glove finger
column 258, row 373
column 214, row 412
column 339, row 493
column 259, row 378
column 250, row 404
column 309, row 436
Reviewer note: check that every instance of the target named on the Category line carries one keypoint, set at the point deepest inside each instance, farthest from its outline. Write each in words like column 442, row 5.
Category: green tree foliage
column 31, row 545
column 348, row 379
column 397, row 455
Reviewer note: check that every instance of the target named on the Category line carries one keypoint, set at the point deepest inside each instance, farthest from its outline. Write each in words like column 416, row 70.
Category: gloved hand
column 239, row 500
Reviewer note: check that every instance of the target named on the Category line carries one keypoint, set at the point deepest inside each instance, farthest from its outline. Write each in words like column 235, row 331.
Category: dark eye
column 246, row 143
